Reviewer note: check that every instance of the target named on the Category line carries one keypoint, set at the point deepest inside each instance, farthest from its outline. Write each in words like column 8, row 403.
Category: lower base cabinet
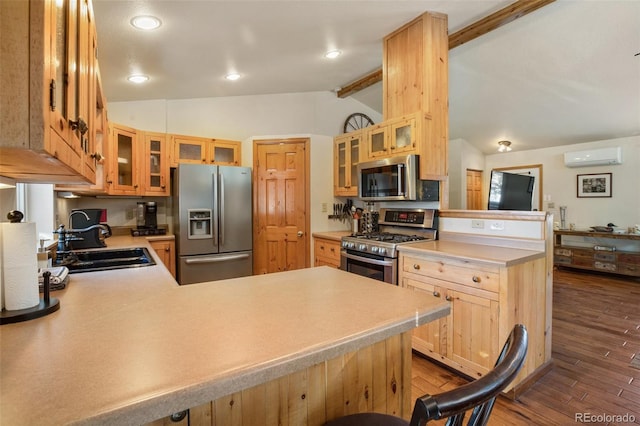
column 487, row 300
column 373, row 378
column 326, row 252
column 166, row 250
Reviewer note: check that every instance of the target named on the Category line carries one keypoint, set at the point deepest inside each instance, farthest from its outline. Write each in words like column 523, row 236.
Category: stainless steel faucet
column 77, row 211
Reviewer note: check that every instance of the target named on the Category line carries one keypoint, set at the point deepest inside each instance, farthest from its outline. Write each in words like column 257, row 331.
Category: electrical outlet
column 478, row 224
column 551, row 205
column 131, row 214
column 497, row 225
column 324, row 207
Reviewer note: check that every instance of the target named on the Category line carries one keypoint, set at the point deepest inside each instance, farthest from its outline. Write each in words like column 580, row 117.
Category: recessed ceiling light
column 232, row 76
column 138, row 78
column 332, row 54
column 146, row 22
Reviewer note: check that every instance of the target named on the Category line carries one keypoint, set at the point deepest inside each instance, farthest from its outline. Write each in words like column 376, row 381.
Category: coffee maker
column 147, row 219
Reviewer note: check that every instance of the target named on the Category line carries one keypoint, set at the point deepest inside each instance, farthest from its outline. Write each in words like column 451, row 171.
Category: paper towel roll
column 19, row 266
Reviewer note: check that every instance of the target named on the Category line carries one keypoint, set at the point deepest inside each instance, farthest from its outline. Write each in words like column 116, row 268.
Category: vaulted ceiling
column 563, row 74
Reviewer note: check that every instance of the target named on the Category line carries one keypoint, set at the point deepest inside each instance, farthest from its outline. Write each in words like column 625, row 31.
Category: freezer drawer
column 213, row 267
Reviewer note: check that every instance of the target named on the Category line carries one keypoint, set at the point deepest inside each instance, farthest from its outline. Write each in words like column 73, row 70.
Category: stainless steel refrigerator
column 212, row 217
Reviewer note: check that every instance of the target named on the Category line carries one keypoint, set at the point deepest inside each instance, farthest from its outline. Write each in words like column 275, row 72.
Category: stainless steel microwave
column 395, row 179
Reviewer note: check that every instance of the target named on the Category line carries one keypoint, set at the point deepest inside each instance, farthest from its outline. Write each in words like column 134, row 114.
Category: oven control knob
column 362, row 247
column 382, row 250
column 374, row 249
column 352, row 245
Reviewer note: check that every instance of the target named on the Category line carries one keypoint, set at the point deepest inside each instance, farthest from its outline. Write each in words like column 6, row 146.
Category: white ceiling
column 564, row 74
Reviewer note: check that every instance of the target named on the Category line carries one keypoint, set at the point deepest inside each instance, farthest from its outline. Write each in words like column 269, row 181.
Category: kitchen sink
column 104, row 260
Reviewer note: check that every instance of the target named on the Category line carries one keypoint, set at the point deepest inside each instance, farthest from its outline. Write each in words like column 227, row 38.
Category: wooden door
column 475, row 200
column 281, row 202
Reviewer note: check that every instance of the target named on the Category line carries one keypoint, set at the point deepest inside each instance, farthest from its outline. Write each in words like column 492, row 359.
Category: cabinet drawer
column 605, row 266
column 630, row 258
column 604, row 257
column 629, row 269
column 562, row 252
column 486, row 278
column 328, row 249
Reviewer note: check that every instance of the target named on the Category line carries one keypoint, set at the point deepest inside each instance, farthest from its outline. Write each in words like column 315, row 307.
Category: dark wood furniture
column 597, row 251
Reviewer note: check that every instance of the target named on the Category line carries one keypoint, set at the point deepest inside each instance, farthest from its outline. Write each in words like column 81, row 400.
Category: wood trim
column 497, row 19
column 487, row 24
column 536, row 216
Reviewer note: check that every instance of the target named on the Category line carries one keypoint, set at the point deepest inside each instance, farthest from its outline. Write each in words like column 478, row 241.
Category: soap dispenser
column 44, row 256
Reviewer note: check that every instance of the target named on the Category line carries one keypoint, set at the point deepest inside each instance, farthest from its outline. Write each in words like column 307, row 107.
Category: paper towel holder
column 47, row 304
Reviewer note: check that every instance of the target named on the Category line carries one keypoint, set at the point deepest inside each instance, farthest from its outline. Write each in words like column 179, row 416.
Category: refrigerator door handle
column 216, row 259
column 221, row 231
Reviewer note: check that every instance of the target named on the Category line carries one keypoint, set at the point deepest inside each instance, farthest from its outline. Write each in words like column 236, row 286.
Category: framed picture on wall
column 594, row 185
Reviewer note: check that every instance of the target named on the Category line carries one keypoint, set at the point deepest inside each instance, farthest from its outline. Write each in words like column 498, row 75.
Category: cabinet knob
column 448, row 298
column 167, row 249
column 436, row 294
column 333, row 249
column 416, row 266
column 476, row 279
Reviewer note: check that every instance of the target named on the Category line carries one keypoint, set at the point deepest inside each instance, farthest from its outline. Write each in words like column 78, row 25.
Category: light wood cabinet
column 487, row 300
column 598, row 251
column 393, row 137
column 415, row 81
column 166, row 250
column 326, row 252
column 47, row 69
column 123, row 162
column 346, row 156
column 197, row 150
column 156, row 164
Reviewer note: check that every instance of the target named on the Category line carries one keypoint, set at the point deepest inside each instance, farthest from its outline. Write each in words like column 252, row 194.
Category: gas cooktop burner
column 388, row 236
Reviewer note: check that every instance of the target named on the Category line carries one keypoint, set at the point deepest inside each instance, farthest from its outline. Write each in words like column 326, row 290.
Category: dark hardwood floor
column 596, row 333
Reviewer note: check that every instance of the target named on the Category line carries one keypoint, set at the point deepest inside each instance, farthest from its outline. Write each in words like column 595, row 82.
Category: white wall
column 559, row 183
column 462, row 156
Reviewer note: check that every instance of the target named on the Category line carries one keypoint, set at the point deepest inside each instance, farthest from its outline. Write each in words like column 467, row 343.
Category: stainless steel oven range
column 375, row 255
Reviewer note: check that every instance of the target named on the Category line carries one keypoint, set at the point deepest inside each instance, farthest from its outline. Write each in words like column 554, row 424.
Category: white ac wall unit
column 593, row 157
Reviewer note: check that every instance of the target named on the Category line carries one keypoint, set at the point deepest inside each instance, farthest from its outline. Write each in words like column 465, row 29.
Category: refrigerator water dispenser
column 200, row 224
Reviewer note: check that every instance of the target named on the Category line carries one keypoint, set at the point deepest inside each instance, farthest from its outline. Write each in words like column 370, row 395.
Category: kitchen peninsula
column 130, row 346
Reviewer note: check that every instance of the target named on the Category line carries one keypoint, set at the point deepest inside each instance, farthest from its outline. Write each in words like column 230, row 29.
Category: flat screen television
column 510, row 191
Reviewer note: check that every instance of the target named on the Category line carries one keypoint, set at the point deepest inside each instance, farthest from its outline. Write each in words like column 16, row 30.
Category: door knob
column 300, row 233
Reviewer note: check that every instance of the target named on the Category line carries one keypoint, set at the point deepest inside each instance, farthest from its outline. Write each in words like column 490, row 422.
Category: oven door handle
column 366, row 259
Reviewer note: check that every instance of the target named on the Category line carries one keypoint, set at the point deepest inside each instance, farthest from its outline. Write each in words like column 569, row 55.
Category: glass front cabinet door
column 156, row 172
column 122, row 177
column 378, row 141
column 403, row 136
column 346, row 155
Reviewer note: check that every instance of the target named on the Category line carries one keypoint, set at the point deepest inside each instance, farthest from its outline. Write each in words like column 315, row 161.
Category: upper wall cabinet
column 197, row 150
column 48, row 71
column 393, row 137
column 415, row 81
column 346, row 155
column 155, row 172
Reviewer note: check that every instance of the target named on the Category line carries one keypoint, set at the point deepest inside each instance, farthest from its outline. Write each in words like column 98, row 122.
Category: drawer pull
column 333, row 249
column 476, row 279
column 436, row 294
column 448, row 298
column 416, row 266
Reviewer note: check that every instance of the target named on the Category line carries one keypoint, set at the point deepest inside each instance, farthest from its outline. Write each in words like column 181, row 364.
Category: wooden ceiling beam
column 489, row 23
column 363, row 83
column 497, row 19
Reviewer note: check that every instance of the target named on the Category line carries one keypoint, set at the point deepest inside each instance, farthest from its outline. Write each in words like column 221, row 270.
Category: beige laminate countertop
column 129, row 346
column 331, row 235
column 501, row 256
